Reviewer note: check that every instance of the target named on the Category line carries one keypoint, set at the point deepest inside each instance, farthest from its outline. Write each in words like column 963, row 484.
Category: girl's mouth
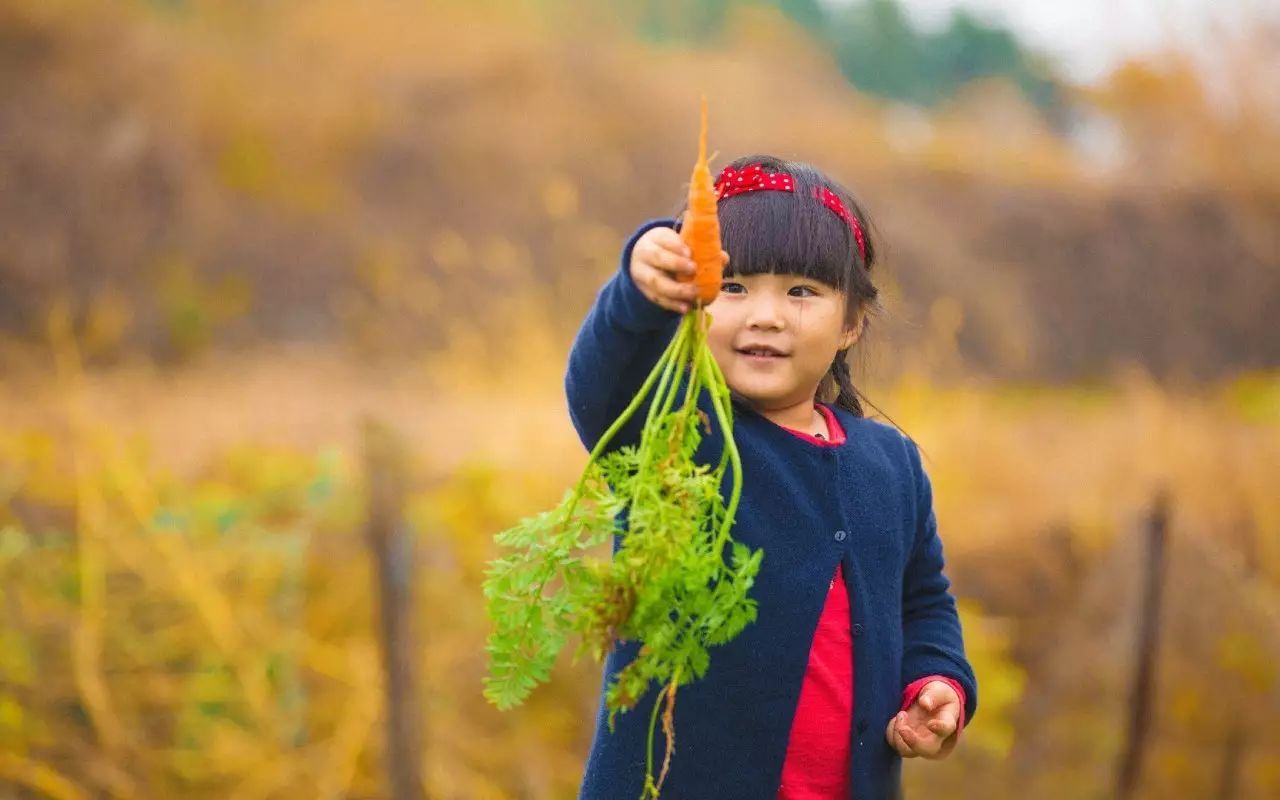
column 762, row 354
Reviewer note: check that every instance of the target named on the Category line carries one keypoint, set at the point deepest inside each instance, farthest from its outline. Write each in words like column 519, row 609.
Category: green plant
column 668, row 583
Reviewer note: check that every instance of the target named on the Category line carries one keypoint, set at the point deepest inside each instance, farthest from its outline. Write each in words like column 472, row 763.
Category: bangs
column 786, row 233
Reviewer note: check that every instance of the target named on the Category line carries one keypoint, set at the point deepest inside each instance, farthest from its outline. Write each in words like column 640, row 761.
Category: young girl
column 856, row 658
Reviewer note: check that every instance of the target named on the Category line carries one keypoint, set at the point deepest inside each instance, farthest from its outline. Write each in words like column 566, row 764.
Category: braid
column 842, row 378
column 839, row 382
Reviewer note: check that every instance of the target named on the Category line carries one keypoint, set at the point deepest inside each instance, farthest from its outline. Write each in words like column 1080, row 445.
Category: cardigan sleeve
column 932, row 641
column 616, row 347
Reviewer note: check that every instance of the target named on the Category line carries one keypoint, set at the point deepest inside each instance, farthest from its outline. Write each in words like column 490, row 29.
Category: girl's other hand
column 927, row 729
column 657, row 258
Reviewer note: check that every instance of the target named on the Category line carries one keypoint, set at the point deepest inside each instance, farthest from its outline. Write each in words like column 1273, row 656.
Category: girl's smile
column 775, row 336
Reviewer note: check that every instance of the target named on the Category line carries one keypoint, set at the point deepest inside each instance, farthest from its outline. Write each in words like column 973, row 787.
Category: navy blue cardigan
column 866, row 504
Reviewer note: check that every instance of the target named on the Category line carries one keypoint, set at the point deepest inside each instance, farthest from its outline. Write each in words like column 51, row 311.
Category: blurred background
column 286, row 294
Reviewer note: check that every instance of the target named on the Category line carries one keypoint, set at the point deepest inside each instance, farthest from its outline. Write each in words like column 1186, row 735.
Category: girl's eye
column 802, row 291
column 732, row 287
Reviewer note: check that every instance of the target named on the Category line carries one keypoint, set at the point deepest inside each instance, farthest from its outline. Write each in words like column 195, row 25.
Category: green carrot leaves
column 669, row 584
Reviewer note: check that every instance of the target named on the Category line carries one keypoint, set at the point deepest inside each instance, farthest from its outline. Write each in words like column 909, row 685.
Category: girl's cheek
column 718, row 333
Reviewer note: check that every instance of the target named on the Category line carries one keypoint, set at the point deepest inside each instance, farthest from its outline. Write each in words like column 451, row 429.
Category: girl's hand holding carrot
column 659, row 260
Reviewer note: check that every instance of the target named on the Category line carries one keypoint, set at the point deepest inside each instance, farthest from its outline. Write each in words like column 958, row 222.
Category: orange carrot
column 701, row 227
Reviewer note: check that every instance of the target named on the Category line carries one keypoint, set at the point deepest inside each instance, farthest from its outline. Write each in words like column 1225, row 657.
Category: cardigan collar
column 836, row 429
column 833, row 427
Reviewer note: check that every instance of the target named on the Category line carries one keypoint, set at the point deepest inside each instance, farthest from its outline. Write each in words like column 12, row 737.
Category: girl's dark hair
column 794, row 233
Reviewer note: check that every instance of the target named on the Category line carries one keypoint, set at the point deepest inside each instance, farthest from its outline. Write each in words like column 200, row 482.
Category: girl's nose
column 765, row 312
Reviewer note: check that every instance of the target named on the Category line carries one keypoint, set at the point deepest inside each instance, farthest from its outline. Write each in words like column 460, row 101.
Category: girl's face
column 775, row 336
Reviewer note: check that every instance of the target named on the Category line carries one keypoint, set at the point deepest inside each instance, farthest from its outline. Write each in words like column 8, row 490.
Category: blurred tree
column 882, row 53
column 970, row 48
column 877, row 47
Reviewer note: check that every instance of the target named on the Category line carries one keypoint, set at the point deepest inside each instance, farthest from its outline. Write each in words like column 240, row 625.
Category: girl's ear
column 853, row 332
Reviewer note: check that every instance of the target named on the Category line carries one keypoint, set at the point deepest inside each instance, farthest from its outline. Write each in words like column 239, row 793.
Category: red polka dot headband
column 753, row 178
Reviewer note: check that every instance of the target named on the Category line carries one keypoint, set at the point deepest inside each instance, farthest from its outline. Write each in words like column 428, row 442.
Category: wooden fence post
column 392, row 547
column 1148, row 639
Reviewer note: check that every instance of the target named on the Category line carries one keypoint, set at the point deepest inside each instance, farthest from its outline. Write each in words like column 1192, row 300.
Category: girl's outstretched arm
column 620, row 340
column 932, row 642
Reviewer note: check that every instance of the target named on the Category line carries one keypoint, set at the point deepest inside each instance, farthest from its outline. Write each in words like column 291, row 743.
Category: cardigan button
column 841, row 535
column 857, row 629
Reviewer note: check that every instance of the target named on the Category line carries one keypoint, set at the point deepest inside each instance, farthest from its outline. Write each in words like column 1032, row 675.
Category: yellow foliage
column 1001, row 682
column 1244, row 659
column 235, row 650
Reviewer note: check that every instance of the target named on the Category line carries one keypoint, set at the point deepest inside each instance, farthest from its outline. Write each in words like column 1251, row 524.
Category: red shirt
column 817, row 760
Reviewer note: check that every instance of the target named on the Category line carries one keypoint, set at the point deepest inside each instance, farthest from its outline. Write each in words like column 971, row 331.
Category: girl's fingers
column 668, row 288
column 900, row 744
column 658, row 260
column 894, row 735
column 909, row 740
column 671, row 253
column 660, row 289
column 671, row 239
column 651, row 287
column 942, row 727
column 673, row 261
column 926, row 745
column 679, row 308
